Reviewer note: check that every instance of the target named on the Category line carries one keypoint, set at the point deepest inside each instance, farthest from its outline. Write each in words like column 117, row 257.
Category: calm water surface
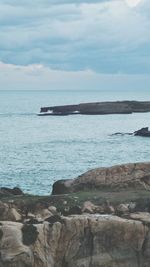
column 36, row 151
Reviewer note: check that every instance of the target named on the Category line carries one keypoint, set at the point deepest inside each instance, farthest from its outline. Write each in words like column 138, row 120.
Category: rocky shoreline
column 99, row 219
column 98, row 108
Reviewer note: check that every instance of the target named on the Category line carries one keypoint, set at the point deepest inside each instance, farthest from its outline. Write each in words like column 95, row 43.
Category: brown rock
column 9, row 213
column 77, row 241
column 89, row 207
column 125, row 176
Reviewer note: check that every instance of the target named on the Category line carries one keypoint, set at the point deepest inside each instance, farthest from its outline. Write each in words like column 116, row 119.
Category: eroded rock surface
column 125, row 176
column 77, row 241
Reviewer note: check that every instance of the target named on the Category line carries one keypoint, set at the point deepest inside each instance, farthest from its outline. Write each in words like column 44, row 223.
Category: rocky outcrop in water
column 99, row 108
column 125, row 176
column 144, row 132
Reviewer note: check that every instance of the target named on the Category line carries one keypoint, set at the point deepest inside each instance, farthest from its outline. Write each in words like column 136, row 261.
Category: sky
column 74, row 44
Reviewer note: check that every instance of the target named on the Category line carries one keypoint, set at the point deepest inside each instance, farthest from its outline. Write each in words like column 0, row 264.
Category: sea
column 37, row 151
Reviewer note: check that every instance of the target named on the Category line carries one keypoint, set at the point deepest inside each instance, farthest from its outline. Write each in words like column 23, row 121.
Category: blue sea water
column 37, row 151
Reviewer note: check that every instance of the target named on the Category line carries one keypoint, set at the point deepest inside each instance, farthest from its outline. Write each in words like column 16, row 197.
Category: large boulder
column 76, row 241
column 133, row 175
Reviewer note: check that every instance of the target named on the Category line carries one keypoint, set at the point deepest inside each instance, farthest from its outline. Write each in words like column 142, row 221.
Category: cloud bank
column 67, row 36
column 37, row 77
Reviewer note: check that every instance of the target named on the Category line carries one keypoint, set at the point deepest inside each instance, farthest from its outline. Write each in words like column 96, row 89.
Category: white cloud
column 37, row 77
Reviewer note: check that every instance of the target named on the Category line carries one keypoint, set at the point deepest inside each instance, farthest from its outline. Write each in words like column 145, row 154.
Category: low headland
column 98, row 108
column 101, row 218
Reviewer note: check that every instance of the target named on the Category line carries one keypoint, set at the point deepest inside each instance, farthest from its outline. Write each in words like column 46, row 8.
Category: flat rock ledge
column 133, row 175
column 98, row 108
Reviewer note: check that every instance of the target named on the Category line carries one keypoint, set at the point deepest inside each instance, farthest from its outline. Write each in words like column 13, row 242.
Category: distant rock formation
column 121, row 176
column 144, row 132
column 99, row 108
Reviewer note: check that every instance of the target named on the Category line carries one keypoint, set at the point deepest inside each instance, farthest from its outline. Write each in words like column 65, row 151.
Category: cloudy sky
column 74, row 44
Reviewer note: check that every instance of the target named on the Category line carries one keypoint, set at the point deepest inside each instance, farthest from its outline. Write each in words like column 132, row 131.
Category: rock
column 3, row 210
column 62, row 186
column 52, row 209
column 80, row 241
column 122, row 208
column 143, row 132
column 100, row 108
column 8, row 191
column 13, row 252
column 124, row 176
column 9, row 213
column 141, row 216
column 43, row 214
column 89, row 207
column 13, row 215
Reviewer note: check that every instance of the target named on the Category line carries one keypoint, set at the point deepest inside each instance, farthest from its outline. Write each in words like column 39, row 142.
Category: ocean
column 37, row 151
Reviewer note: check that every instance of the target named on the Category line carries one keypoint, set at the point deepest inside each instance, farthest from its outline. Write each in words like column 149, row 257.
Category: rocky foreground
column 98, row 108
column 99, row 219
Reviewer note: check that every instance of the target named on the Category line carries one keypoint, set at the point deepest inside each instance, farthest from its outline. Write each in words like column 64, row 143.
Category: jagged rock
column 80, row 241
column 143, row 132
column 13, row 252
column 124, row 176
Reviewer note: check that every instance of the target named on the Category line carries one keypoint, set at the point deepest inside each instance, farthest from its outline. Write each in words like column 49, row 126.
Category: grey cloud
column 105, row 36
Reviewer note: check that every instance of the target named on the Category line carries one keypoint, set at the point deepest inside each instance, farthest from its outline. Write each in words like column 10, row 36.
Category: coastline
column 103, row 204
